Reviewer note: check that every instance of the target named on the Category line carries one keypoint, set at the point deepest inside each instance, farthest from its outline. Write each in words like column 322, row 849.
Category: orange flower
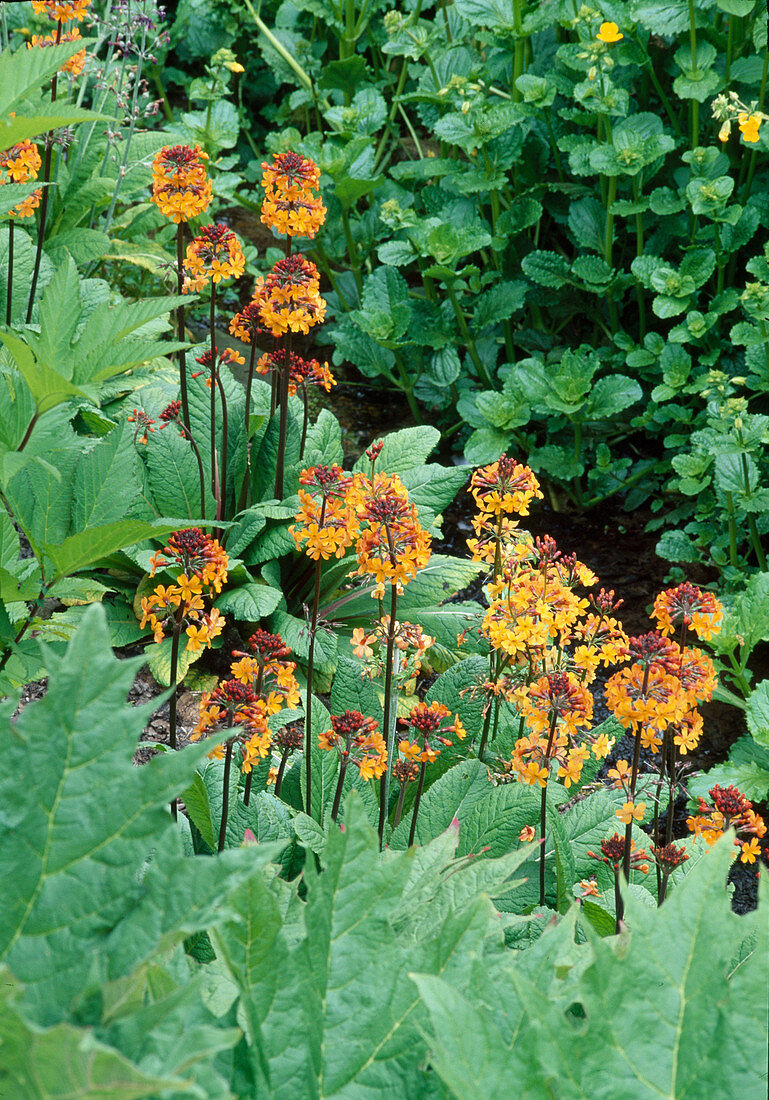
column 180, row 186
column 750, row 851
column 289, row 206
column 357, row 739
column 62, row 10
column 689, row 607
column 301, row 372
column 326, row 520
column 76, row 63
column 213, row 255
column 609, row 33
column 527, row 834
column 630, row 811
column 289, row 298
column 392, row 546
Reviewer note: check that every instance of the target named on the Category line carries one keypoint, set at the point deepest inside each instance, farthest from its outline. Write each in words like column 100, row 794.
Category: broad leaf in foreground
column 63, row 1062
column 329, row 1008
column 94, row 876
column 674, row 1008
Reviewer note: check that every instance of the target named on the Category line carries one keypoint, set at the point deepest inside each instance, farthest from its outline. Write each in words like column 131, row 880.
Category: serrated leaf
column 673, row 957
column 403, row 450
column 79, row 885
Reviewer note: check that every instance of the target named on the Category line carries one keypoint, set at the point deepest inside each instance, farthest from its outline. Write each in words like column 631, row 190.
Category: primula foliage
column 405, row 858
column 371, row 975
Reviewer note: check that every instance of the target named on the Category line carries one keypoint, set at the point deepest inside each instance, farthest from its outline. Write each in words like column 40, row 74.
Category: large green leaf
column 83, row 901
column 82, row 549
column 63, row 1062
column 403, row 450
column 107, row 482
column 682, row 974
column 323, row 987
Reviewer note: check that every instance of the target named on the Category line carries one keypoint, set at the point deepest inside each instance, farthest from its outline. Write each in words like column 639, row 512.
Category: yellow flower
column 630, row 811
column 751, row 851
column 234, row 67
column 527, row 834
column 726, row 129
column 749, row 125
column 609, row 32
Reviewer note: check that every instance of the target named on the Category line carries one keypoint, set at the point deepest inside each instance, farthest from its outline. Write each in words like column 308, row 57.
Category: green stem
column 180, row 327
column 417, row 800
column 543, row 809
column 388, row 717
column 310, row 672
column 339, row 784
column 281, row 770
column 399, row 806
column 283, row 422
column 732, row 528
column 245, row 491
column 9, row 292
column 225, row 443
column 694, row 105
column 473, row 351
column 225, row 790
column 618, row 906
column 352, row 250
column 212, row 378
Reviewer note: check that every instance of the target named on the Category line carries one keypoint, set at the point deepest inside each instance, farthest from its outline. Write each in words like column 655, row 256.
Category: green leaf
column 660, row 977
column 84, row 903
column 86, row 547
column 610, row 395
column 546, row 268
column 354, row 691
column 61, row 1062
column 249, row 603
column 21, row 72
column 499, row 304
column 677, row 546
column 159, row 661
column 299, row 974
column 757, row 713
column 403, row 450
column 107, row 481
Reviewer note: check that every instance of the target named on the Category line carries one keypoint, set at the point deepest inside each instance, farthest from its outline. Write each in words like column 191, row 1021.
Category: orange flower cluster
column 203, row 565
column 226, row 357
column 213, row 255
column 358, row 741
column 181, row 603
column 234, row 705
column 76, row 63
column 288, row 299
column 661, row 690
column 729, row 809
column 301, row 372
column 326, row 521
column 247, row 324
column 613, row 853
column 268, row 685
column 554, row 706
column 533, row 604
column 289, row 206
column 20, row 164
column 392, row 546
column 195, row 554
column 408, row 638
column 62, row 10
column 428, row 722
column 500, row 490
column 180, row 186
column 688, row 607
